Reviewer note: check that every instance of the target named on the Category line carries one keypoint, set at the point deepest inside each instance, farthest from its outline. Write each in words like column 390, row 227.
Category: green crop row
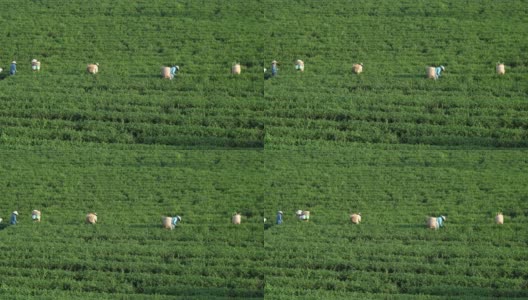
column 391, row 253
column 386, row 143
column 165, row 179
column 392, row 101
column 127, row 253
column 204, row 107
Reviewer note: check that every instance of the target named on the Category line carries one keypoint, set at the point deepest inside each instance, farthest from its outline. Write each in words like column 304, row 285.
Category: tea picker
column 175, row 221
column 173, row 71
column 279, row 217
column 299, row 65
column 236, row 69
column 92, row 68
column 499, row 218
column 35, row 215
column 355, row 218
column 500, row 68
column 357, row 68
column 274, row 68
column 438, row 71
column 13, row 220
column 303, row 215
column 440, row 220
column 236, row 218
column 12, row 69
column 35, row 65
column 91, row 218
column 436, row 222
column 170, row 222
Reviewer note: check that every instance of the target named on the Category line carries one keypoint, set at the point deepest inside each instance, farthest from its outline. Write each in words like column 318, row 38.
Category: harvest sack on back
column 355, row 218
column 92, row 68
column 499, row 219
column 91, row 218
column 235, row 69
column 236, row 219
column 431, row 223
column 165, row 72
column 431, row 73
column 167, row 222
column 500, row 69
column 357, row 68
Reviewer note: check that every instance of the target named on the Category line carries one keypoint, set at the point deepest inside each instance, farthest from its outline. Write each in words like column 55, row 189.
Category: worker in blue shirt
column 175, row 221
column 173, row 71
column 14, row 216
column 274, row 68
column 279, row 217
column 438, row 71
column 440, row 220
column 12, row 69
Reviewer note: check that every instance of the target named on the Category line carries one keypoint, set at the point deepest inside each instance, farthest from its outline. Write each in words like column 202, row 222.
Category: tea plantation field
column 127, row 254
column 388, row 143
column 397, row 147
column 391, row 101
column 391, row 255
column 131, row 147
column 127, row 101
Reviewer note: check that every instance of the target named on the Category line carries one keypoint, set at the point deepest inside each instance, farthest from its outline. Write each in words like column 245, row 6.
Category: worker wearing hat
column 14, row 216
column 173, row 70
column 279, row 217
column 438, row 71
column 35, row 65
column 175, row 221
column 440, row 220
column 299, row 65
column 274, row 68
column 12, row 69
